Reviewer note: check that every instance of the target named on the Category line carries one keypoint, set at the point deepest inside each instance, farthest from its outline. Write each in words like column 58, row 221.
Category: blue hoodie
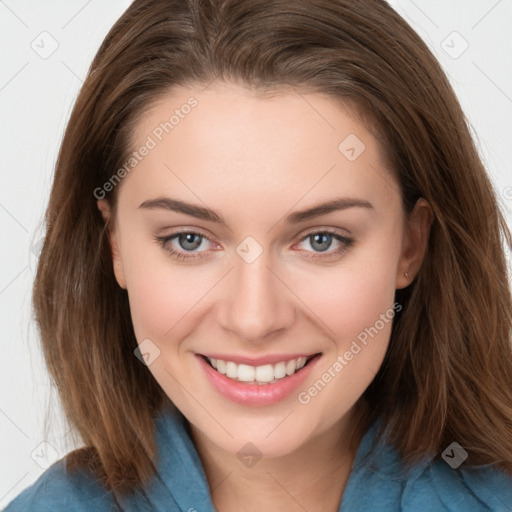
column 377, row 483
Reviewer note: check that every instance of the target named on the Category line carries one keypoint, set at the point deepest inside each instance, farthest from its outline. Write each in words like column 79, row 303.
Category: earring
column 406, row 274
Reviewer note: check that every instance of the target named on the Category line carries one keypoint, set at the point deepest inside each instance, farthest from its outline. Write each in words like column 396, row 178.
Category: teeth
column 231, row 370
column 291, row 366
column 220, row 365
column 264, row 373
column 268, row 373
column 246, row 373
column 279, row 370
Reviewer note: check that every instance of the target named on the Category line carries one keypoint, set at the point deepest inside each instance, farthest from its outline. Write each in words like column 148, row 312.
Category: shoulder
column 57, row 490
column 470, row 489
column 380, row 480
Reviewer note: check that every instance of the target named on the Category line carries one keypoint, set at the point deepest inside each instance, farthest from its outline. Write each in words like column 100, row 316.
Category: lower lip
column 256, row 394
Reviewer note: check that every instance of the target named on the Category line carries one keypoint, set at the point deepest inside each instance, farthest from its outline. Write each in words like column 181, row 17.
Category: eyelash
column 346, row 241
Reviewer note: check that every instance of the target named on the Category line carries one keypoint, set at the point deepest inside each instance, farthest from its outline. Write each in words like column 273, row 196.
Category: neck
column 313, row 477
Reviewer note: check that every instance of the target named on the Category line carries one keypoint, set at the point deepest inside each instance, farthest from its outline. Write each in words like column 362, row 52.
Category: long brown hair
column 447, row 374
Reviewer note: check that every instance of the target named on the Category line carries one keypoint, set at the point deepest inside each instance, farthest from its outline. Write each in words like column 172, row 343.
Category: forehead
column 227, row 141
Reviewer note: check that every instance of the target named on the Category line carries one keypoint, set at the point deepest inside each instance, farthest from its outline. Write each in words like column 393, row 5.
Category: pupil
column 185, row 239
column 321, row 237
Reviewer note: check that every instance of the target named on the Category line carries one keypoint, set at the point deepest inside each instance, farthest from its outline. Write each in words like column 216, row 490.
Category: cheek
column 160, row 292
column 358, row 306
column 352, row 296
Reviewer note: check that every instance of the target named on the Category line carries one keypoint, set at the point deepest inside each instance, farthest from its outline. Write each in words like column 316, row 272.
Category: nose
column 258, row 302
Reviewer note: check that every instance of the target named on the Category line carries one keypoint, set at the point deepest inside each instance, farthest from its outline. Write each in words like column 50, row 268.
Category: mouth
column 261, row 385
column 263, row 374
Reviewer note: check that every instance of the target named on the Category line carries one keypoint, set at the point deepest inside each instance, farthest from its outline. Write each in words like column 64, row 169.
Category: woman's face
column 262, row 283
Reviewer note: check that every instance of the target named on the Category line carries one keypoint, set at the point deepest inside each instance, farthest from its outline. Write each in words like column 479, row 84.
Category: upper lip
column 259, row 361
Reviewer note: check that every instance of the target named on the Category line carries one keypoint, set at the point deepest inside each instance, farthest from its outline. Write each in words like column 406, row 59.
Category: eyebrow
column 200, row 212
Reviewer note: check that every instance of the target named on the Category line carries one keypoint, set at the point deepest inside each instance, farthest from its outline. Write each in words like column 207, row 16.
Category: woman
column 273, row 276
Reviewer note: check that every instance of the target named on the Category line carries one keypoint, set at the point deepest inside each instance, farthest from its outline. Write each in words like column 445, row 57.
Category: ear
column 414, row 242
column 117, row 263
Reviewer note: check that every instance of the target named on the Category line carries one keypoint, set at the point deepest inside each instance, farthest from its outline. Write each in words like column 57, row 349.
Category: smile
column 257, row 384
column 265, row 374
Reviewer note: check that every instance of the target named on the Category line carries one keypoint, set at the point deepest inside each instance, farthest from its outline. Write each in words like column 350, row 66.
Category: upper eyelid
column 195, row 231
column 305, row 232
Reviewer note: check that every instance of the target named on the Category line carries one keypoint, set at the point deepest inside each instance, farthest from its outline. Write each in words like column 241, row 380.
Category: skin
column 254, row 160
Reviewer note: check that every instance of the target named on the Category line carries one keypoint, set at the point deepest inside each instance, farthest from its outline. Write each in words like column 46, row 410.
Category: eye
column 321, row 241
column 186, row 244
column 187, row 241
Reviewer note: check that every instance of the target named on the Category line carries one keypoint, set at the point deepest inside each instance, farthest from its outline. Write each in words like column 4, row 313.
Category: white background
column 36, row 96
